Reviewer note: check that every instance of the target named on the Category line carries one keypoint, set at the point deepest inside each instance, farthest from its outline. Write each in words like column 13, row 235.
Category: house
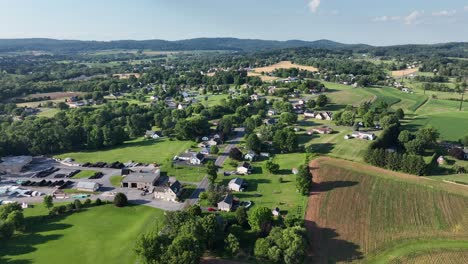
column 236, row 184
column 251, row 155
column 363, row 135
column 141, row 180
column 272, row 112
column 205, row 151
column 322, row 130
column 169, row 191
column 87, row 186
column 264, row 154
column 441, row 160
column 309, row 113
column 181, row 106
column 271, row 89
column 255, row 97
column 152, row 134
column 276, row 211
column 197, row 159
column 14, row 164
column 226, row 203
column 245, row 168
column 324, row 116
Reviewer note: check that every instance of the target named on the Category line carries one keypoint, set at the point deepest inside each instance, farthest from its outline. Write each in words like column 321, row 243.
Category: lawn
column 266, row 190
column 84, row 174
column 115, row 180
column 213, row 99
column 363, row 213
column 104, row 234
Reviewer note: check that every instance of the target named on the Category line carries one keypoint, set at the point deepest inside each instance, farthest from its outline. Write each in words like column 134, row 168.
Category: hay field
column 264, row 78
column 402, row 73
column 357, row 211
column 436, row 257
column 284, row 65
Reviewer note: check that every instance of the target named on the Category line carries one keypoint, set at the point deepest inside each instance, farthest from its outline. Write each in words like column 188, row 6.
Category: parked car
column 210, row 209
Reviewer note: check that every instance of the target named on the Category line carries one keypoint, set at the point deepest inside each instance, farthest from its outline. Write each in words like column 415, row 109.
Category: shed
column 87, row 186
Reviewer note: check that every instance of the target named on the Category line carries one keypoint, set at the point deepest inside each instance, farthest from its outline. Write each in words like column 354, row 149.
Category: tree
column 428, row 136
column 98, row 202
column 457, row 153
column 184, row 249
column 214, row 149
column 48, row 202
column 212, row 171
column 151, row 247
column 389, row 120
column 260, row 219
column 194, row 210
column 464, row 140
column 303, row 179
column 253, row 142
column 77, row 204
column 241, row 215
column 17, row 219
column 322, row 100
column 236, row 154
column 400, row 113
column 272, row 167
column 62, row 106
column 368, row 119
column 405, row 136
column 288, row 118
column 415, row 146
column 120, row 200
column 6, row 229
column 232, row 244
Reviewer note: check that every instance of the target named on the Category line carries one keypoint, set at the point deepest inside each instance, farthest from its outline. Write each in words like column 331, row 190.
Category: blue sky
column 375, row 22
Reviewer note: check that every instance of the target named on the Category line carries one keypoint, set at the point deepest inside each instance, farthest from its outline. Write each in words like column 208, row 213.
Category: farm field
column 442, row 257
column 402, row 73
column 68, row 239
column 365, row 214
column 284, row 65
column 266, row 190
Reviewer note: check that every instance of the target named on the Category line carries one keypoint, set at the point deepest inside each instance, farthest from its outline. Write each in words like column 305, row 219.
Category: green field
column 84, row 174
column 372, row 216
column 104, row 234
column 266, row 190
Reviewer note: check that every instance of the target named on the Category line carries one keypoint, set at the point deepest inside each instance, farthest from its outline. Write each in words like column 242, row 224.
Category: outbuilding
column 87, row 186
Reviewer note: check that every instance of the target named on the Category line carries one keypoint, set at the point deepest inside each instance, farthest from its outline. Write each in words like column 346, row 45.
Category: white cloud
column 386, row 18
column 314, row 5
column 413, row 17
column 444, row 13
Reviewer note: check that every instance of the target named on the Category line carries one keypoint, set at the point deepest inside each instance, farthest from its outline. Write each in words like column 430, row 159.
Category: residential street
column 240, row 131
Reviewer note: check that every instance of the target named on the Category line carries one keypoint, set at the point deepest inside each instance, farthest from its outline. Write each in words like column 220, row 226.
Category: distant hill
column 73, row 46
column 234, row 44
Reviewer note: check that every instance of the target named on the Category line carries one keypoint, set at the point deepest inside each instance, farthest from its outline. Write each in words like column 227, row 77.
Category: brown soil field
column 438, row 257
column 264, row 78
column 355, row 210
column 285, row 65
column 403, row 73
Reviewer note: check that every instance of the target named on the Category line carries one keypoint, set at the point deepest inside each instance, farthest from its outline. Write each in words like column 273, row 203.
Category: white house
column 169, row 192
column 236, row 184
column 362, row 135
column 205, row 151
column 197, row 159
column 152, row 134
column 87, row 186
column 251, row 155
column 226, row 203
column 244, row 168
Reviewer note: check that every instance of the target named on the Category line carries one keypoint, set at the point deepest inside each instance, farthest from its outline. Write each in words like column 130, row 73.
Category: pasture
column 361, row 213
column 437, row 256
column 285, row 65
column 104, row 234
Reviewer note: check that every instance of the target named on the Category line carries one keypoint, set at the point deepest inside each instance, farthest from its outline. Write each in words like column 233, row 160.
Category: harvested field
column 125, row 76
column 264, row 78
column 352, row 215
column 405, row 72
column 285, row 65
column 54, row 95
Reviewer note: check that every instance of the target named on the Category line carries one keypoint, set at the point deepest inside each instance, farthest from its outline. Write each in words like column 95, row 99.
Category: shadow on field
column 25, row 243
column 322, row 148
column 330, row 185
column 327, row 248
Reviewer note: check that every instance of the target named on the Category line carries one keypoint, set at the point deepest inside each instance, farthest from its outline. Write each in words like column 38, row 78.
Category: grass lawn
column 48, row 112
column 104, row 234
column 213, row 99
column 84, row 174
column 266, row 190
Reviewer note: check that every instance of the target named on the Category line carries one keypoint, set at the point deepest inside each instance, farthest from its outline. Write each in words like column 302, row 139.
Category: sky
column 376, row 22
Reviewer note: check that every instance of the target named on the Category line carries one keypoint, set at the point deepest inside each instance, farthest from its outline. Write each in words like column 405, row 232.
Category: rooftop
column 145, row 177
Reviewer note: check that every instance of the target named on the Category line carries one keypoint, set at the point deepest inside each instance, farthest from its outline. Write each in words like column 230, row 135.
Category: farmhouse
column 194, row 158
column 236, row 184
column 363, row 135
column 251, row 155
column 152, row 134
column 14, row 164
column 141, row 180
column 308, row 113
column 169, row 190
column 245, row 168
column 226, row 203
column 87, row 186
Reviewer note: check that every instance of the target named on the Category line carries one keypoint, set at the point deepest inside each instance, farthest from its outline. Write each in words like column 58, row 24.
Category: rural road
column 240, row 131
column 202, row 186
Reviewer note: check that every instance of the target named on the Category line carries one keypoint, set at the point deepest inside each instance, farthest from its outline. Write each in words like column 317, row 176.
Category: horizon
column 376, row 23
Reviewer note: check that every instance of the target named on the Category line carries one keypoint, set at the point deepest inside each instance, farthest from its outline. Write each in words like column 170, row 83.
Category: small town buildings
column 226, row 204
column 205, row 151
column 245, row 168
column 197, row 159
column 363, row 135
column 87, row 186
column 194, row 158
column 169, row 191
column 141, row 180
column 255, row 97
column 152, row 134
column 309, row 113
column 14, row 164
column 251, row 155
column 236, row 185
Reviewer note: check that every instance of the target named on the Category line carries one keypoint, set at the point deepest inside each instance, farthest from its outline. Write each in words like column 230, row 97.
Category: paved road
column 231, row 143
column 201, row 187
